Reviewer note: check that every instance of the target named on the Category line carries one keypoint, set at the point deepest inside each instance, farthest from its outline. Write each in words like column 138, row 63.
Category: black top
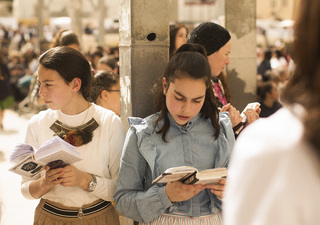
column 266, row 111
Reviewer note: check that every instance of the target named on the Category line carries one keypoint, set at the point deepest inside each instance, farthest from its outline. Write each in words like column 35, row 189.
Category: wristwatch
column 93, row 183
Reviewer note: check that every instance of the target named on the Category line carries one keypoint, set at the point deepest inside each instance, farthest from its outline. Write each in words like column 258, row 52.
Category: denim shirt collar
column 186, row 127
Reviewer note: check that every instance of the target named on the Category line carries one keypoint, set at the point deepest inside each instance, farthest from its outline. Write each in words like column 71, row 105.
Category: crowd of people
column 19, row 59
column 194, row 124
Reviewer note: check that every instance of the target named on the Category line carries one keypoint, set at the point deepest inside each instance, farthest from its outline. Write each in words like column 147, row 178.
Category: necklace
column 86, row 114
column 77, row 136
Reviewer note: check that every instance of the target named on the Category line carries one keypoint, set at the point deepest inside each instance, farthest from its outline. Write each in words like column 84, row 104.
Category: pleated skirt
column 169, row 219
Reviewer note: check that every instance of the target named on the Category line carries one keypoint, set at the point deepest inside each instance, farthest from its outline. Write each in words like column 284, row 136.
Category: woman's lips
column 183, row 117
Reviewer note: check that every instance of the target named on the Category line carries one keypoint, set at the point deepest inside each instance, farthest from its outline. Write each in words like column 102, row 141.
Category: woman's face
column 181, row 37
column 110, row 99
column 220, row 59
column 184, row 98
column 55, row 92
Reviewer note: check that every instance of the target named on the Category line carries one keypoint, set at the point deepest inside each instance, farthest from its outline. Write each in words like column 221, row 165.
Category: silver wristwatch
column 92, row 185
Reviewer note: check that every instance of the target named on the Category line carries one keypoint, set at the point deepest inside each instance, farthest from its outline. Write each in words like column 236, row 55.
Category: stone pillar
column 101, row 16
column 40, row 14
column 144, row 53
column 242, row 71
column 75, row 14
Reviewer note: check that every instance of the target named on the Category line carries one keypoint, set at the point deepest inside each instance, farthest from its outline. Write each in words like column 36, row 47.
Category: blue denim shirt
column 146, row 156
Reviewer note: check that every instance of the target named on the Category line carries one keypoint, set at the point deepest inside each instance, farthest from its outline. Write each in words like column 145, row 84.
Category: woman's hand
column 74, row 177
column 217, row 189
column 42, row 185
column 177, row 191
column 51, row 178
column 252, row 115
column 233, row 113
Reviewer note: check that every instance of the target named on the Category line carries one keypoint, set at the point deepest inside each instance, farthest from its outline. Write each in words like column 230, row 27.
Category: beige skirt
column 100, row 213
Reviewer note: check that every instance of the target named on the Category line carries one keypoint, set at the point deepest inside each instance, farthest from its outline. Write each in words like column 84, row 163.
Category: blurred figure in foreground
column 274, row 177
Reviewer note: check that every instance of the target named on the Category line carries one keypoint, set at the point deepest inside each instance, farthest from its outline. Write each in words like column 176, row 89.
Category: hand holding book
column 190, row 175
column 55, row 153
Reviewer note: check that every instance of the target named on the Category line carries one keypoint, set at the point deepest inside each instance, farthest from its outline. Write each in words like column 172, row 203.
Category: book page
column 28, row 167
column 170, row 177
column 181, row 169
column 20, row 151
column 61, row 155
column 57, row 149
column 211, row 176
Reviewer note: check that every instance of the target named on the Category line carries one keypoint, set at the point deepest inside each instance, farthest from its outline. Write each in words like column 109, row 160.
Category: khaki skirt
column 99, row 212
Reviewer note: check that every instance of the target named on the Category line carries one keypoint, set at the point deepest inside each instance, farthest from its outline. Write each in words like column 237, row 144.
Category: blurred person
column 278, row 61
column 265, row 66
column 268, row 94
column 94, row 59
column 178, row 37
column 6, row 95
column 274, row 176
column 108, row 63
column 106, row 90
column 66, row 37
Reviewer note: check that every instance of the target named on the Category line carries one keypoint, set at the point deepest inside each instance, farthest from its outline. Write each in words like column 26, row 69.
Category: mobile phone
column 252, row 105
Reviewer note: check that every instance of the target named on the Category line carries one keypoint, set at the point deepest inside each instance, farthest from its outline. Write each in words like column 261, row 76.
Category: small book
column 252, row 105
column 190, row 175
column 55, row 153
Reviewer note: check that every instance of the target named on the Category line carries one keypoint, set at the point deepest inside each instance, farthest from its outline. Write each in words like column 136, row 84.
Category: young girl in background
column 106, row 90
column 185, row 131
column 78, row 193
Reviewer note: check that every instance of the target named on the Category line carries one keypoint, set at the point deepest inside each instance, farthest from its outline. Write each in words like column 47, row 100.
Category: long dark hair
column 69, row 63
column 174, row 28
column 304, row 85
column 193, row 65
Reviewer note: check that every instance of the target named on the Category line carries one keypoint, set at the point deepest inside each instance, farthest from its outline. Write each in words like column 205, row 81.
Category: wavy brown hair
column 304, row 86
column 195, row 66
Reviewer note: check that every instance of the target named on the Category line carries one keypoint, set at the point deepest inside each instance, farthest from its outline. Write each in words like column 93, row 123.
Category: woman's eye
column 179, row 99
column 197, row 101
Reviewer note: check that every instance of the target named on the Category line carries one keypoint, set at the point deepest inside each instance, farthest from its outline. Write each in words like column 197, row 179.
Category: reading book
column 190, row 175
column 55, row 153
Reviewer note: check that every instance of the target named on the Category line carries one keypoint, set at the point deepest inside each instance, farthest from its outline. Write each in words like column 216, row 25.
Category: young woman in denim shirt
column 187, row 130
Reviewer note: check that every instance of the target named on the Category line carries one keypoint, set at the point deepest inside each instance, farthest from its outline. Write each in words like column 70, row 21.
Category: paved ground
column 17, row 210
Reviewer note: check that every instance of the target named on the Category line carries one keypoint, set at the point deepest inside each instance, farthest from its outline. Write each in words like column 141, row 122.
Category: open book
column 55, row 153
column 190, row 175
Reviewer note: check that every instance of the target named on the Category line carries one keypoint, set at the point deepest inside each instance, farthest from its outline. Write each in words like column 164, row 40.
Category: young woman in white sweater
column 78, row 193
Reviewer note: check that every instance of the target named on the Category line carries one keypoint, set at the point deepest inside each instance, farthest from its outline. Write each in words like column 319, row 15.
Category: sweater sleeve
column 116, row 139
column 31, row 140
column 131, row 199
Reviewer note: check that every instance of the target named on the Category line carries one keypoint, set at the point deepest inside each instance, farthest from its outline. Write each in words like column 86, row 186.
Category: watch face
column 92, row 185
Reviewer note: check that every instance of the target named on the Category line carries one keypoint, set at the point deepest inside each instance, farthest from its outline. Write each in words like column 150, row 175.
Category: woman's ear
column 164, row 85
column 104, row 95
column 76, row 84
